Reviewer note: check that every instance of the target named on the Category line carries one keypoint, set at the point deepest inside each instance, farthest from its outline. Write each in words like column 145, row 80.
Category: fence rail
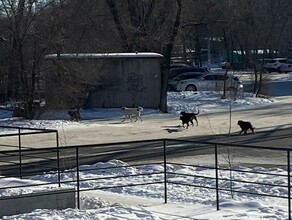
column 27, row 162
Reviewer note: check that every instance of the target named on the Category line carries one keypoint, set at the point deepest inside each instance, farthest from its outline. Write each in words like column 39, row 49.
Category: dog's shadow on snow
column 172, row 129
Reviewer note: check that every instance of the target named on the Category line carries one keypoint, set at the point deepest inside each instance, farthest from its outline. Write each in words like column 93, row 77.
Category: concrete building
column 123, row 79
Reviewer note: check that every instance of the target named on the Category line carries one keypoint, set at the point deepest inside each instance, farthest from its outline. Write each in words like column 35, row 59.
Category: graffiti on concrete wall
column 135, row 83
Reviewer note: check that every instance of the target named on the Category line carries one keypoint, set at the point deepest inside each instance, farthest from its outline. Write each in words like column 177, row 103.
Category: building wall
column 122, row 79
column 127, row 82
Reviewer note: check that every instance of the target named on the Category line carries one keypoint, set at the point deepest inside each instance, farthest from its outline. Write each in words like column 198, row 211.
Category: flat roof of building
column 103, row 55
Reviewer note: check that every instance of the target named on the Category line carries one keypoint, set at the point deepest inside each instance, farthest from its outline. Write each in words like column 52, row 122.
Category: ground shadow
column 171, row 129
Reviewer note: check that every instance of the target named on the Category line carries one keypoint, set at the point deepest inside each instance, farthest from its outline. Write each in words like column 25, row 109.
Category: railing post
column 58, row 159
column 19, row 153
column 289, row 184
column 217, row 176
column 77, row 177
column 165, row 177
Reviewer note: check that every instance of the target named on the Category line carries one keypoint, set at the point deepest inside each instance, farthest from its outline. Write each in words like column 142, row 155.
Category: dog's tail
column 140, row 109
column 197, row 112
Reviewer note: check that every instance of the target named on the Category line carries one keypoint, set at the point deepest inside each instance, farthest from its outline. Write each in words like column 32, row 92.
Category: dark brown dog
column 74, row 115
column 189, row 117
column 245, row 126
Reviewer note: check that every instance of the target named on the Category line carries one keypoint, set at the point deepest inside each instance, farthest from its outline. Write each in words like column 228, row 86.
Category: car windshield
column 264, row 61
column 272, row 61
column 189, row 76
column 282, row 61
column 215, row 77
column 176, row 71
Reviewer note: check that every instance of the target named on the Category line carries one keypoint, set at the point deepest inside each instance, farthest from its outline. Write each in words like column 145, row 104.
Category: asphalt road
column 278, row 138
column 188, row 150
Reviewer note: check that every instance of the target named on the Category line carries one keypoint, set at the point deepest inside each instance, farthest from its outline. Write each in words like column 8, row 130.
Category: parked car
column 287, row 67
column 274, row 65
column 172, row 83
column 264, row 62
column 176, row 71
column 210, row 82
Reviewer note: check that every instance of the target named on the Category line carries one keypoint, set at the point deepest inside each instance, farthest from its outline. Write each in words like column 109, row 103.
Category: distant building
column 125, row 79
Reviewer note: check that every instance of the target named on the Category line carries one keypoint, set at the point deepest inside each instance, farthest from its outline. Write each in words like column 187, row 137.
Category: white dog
column 132, row 112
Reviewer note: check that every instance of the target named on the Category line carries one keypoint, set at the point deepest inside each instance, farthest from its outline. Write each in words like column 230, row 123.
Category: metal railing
column 13, row 159
column 69, row 160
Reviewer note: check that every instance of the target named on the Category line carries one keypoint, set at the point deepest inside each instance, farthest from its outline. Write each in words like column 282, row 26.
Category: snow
column 146, row 202
column 103, row 55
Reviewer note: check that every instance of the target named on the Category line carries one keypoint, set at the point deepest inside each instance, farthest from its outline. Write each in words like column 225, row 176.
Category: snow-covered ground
column 146, row 202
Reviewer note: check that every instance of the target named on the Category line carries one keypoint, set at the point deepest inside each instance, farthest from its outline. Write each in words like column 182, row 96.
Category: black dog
column 74, row 115
column 245, row 126
column 187, row 118
column 184, row 120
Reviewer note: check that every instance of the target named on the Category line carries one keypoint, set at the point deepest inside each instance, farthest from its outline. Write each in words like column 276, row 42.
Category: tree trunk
column 167, row 57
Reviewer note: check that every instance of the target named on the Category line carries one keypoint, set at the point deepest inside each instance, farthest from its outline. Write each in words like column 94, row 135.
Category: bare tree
column 148, row 26
column 34, row 29
column 27, row 46
column 253, row 26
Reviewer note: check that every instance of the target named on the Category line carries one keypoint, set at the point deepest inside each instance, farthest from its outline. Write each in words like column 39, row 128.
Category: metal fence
column 217, row 157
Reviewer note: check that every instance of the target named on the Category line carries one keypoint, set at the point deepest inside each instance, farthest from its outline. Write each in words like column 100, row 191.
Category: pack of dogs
column 187, row 118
